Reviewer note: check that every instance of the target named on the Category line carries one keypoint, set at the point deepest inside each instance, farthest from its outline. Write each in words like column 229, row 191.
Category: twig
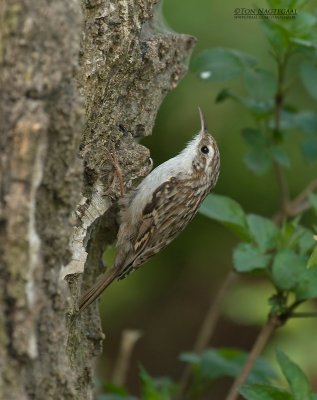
column 283, row 186
column 297, row 205
column 303, row 315
column 304, row 206
column 208, row 327
column 279, row 99
column 302, row 197
column 128, row 341
column 274, row 321
column 300, row 203
column 212, row 315
column 263, row 337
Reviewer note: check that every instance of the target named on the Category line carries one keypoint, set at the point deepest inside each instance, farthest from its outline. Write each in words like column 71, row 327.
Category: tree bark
column 79, row 83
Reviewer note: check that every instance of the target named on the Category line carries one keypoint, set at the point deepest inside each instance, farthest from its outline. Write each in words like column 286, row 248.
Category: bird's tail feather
column 96, row 290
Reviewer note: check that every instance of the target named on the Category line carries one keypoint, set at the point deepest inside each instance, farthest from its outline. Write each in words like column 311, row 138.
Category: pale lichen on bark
column 59, row 213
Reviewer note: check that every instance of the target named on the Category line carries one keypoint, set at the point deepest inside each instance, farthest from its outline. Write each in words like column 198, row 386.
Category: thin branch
column 128, row 341
column 212, row 315
column 304, row 206
column 283, row 187
column 208, row 327
column 261, row 341
column 302, row 197
column 279, row 99
column 303, row 315
column 297, row 205
column 274, row 321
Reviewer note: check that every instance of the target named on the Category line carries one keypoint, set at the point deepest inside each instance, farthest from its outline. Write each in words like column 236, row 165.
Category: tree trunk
column 58, row 186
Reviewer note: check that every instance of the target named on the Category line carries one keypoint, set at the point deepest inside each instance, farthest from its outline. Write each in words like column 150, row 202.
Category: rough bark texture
column 58, row 187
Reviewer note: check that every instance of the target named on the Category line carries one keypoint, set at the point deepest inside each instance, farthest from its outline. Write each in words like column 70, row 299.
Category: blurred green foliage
column 269, row 68
column 298, row 383
column 282, row 253
column 213, row 364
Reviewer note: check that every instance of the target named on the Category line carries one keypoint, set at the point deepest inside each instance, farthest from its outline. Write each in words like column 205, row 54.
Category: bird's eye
column 204, row 150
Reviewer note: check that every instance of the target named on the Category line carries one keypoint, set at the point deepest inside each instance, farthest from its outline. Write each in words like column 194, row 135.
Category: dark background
column 168, row 297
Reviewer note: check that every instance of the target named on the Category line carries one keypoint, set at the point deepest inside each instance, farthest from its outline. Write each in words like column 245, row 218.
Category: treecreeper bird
column 161, row 206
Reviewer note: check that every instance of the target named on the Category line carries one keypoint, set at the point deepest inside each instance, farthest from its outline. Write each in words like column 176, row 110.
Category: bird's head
column 204, row 150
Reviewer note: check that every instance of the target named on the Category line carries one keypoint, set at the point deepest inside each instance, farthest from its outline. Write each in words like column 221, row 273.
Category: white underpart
column 180, row 165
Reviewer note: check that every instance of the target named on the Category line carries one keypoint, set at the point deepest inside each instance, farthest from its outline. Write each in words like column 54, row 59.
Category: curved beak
column 204, row 128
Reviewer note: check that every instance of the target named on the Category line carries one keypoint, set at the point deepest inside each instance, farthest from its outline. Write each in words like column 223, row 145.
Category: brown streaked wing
column 172, row 206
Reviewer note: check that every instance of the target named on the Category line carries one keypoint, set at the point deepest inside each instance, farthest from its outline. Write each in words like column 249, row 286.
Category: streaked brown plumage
column 160, row 207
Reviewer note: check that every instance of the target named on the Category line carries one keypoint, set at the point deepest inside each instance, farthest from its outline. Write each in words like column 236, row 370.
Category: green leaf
column 223, row 95
column 226, row 211
column 308, row 74
column 219, row 64
column 296, row 379
column 149, row 390
column 301, row 31
column 156, row 389
column 303, row 24
column 280, row 156
column 226, row 94
column 294, row 236
column 247, row 258
column 307, row 285
column 216, row 363
column 309, row 149
column 253, row 137
column 287, row 268
column 114, row 392
column 258, row 160
column 264, row 392
column 259, row 109
column 263, row 231
column 190, row 358
column 306, row 240
column 260, row 83
column 312, row 262
column 288, row 235
column 305, row 121
column 115, row 389
column 277, row 36
column 304, row 43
